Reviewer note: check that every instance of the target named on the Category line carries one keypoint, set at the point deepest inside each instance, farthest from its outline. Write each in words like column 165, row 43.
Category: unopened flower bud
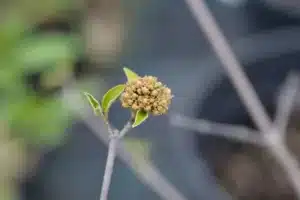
column 168, row 91
column 145, row 100
column 154, row 93
column 135, row 107
column 125, row 105
column 148, row 108
column 155, row 112
column 158, row 84
column 134, row 96
column 145, row 90
column 138, row 83
column 130, row 102
column 148, row 94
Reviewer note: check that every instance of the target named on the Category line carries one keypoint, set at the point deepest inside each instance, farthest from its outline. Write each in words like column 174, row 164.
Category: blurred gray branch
column 234, row 132
column 271, row 134
column 286, row 100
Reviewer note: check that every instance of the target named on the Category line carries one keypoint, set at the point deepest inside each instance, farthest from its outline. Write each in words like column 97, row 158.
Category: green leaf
column 46, row 50
column 94, row 103
column 130, row 74
column 40, row 121
column 140, row 117
column 110, row 96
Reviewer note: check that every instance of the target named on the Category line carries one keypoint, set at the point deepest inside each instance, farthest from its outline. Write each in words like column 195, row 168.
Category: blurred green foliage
column 29, row 118
column 38, row 119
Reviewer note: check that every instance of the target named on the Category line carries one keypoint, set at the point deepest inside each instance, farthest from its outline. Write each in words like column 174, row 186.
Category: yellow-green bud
column 148, row 94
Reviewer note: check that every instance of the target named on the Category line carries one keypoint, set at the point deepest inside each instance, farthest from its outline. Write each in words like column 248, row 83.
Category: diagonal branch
column 112, row 147
column 286, row 100
column 234, row 132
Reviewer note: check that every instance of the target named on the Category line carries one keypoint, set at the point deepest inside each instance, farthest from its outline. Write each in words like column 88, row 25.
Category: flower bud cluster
column 148, row 94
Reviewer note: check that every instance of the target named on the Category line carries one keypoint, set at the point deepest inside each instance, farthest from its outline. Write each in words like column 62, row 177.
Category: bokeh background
column 52, row 48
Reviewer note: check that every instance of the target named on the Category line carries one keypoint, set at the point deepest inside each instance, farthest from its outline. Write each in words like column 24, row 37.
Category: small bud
column 125, row 95
column 160, row 108
column 130, row 102
column 135, row 107
column 134, row 96
column 145, row 100
column 132, row 87
column 147, row 108
column 125, row 105
column 154, row 93
column 156, row 112
column 167, row 91
column 151, row 87
column 128, row 90
column 158, row 84
column 163, row 102
column 139, row 83
column 145, row 90
column 140, row 99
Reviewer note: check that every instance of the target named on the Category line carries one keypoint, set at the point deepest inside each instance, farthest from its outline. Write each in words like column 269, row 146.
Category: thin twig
column 109, row 167
column 126, row 129
column 286, row 99
column 115, row 136
column 244, row 89
column 234, row 132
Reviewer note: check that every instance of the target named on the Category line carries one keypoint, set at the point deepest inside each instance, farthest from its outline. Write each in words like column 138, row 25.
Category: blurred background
column 50, row 48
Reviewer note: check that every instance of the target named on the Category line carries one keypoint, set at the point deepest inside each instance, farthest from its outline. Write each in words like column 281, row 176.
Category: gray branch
column 109, row 167
column 234, row 132
column 286, row 100
column 271, row 135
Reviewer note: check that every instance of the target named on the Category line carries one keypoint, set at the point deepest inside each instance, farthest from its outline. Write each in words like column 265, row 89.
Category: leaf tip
column 125, row 69
column 130, row 74
column 86, row 94
column 94, row 103
column 140, row 117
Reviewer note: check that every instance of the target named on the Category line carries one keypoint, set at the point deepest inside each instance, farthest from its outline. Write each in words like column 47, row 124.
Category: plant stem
column 109, row 167
column 126, row 128
column 286, row 101
column 112, row 148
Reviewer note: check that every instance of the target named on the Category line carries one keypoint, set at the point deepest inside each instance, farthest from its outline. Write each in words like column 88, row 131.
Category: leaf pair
column 111, row 96
column 107, row 100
